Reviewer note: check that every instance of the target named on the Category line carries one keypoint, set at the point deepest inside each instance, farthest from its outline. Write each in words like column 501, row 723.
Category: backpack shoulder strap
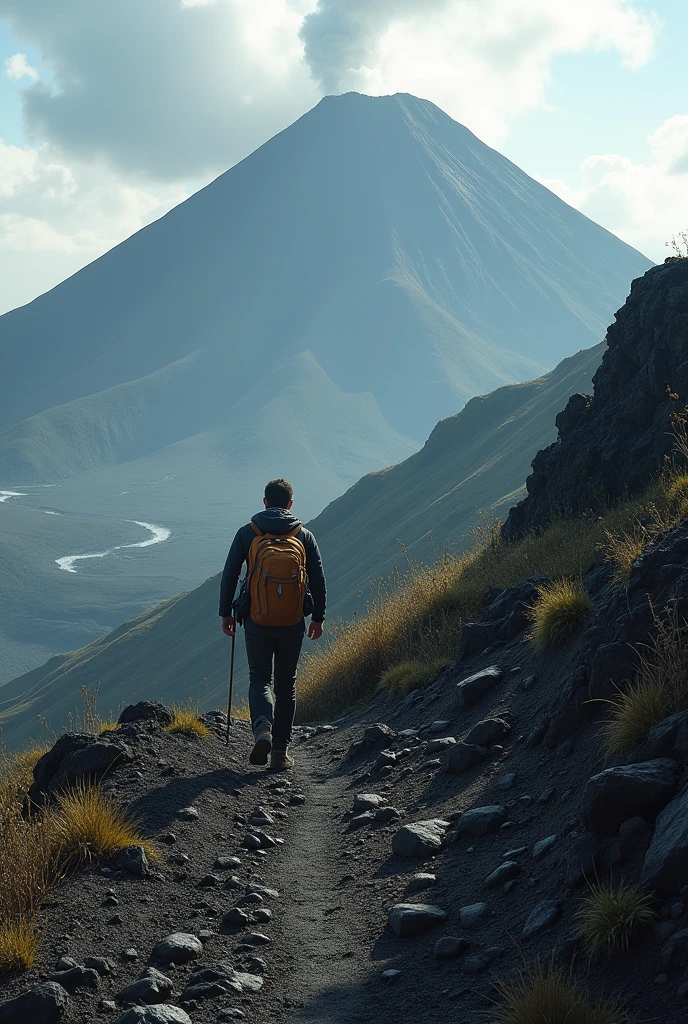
column 296, row 531
column 256, row 530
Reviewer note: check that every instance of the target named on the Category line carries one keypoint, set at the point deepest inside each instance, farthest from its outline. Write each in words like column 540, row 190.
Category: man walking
column 284, row 582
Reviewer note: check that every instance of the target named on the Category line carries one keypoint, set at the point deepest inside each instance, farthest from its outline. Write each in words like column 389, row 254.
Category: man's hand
column 315, row 630
column 228, row 625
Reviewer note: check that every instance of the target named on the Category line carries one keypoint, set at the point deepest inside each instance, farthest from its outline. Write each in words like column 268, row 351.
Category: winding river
column 158, row 534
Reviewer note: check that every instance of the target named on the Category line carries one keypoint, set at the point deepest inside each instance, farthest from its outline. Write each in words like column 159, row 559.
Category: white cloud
column 18, row 67
column 482, row 61
column 643, row 203
column 55, row 218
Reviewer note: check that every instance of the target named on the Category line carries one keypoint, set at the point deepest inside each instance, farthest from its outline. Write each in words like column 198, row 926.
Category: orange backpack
column 276, row 578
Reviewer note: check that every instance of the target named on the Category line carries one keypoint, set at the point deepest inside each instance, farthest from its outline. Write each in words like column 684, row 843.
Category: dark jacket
column 273, row 520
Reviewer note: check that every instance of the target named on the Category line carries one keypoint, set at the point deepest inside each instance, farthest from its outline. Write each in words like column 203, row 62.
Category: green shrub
column 559, row 610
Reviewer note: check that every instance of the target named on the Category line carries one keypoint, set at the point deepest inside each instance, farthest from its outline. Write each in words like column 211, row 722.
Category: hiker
column 284, row 583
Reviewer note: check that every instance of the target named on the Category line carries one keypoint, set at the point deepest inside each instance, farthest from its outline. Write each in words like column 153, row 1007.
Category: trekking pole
column 231, row 686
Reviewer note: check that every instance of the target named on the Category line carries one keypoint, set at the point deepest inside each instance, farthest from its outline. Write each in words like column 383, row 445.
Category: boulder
column 476, row 637
column 423, row 880
column 480, row 821
column 147, row 711
column 501, row 604
column 674, row 952
column 225, row 979
column 412, row 918
column 469, row 691
column 178, row 948
column 626, row 791
column 666, row 862
column 421, row 839
column 489, row 731
column 74, row 757
column 439, row 744
column 462, row 757
column 662, row 739
column 44, row 1004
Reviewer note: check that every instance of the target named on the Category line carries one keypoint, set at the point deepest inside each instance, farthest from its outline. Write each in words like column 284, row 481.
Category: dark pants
column 261, row 651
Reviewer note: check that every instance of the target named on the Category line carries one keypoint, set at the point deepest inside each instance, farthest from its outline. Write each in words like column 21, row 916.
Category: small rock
column 543, row 916
column 449, row 946
column 412, row 918
column 437, row 745
column 506, row 781
column 504, row 873
column 256, row 939
column 420, row 839
column 615, row 794
column 188, row 814
column 76, row 978
column 439, row 726
column 488, row 732
column 463, row 756
column 547, row 795
column 391, row 974
column 130, row 954
column 542, row 848
column 163, row 1014
column 99, row 964
column 472, row 915
column 297, row 799
column 134, row 860
column 480, row 821
column 178, row 948
column 421, row 881
column 510, row 854
column 475, row 964
column 385, row 759
column 209, row 881
column 44, row 1004
column 387, row 814
column 633, row 828
column 151, row 988
column 469, row 691
column 235, row 918
column 65, row 963
column 225, row 863
column 378, row 735
column 362, row 820
column 367, row 802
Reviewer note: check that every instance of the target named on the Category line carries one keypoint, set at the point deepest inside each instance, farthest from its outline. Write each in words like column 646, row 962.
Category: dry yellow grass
column 611, row 916
column 552, row 996
column 242, row 712
column 87, row 825
column 417, row 616
column 411, row 675
column 16, row 773
column 186, row 721
column 624, row 548
column 659, row 689
column 18, row 945
column 108, row 725
column 559, row 610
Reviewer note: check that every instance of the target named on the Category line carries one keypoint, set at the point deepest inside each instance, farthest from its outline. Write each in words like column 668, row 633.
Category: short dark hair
column 278, row 493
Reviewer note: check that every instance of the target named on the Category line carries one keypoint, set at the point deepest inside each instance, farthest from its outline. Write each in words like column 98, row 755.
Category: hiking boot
column 280, row 759
column 261, row 747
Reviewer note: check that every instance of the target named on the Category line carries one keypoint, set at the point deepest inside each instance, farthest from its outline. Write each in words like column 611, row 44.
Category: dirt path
column 323, row 925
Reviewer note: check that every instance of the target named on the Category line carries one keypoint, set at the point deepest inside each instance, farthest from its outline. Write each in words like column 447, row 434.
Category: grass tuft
column 87, row 824
column 186, row 721
column 660, row 688
column 559, row 610
column 242, row 712
column 611, row 916
column 18, row 945
column 412, row 675
column 552, row 996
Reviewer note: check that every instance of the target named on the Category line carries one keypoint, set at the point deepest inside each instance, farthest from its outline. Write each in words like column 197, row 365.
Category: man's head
column 278, row 494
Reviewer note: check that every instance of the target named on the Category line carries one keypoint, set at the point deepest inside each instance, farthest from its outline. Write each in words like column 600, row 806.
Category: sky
column 114, row 111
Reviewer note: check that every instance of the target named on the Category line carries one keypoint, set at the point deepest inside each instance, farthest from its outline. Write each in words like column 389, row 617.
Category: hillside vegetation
column 417, row 617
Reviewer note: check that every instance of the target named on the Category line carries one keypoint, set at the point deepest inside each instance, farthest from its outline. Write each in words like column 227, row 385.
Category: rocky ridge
column 613, row 443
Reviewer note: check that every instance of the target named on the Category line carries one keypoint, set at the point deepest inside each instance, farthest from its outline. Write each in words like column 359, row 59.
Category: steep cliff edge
column 611, row 444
